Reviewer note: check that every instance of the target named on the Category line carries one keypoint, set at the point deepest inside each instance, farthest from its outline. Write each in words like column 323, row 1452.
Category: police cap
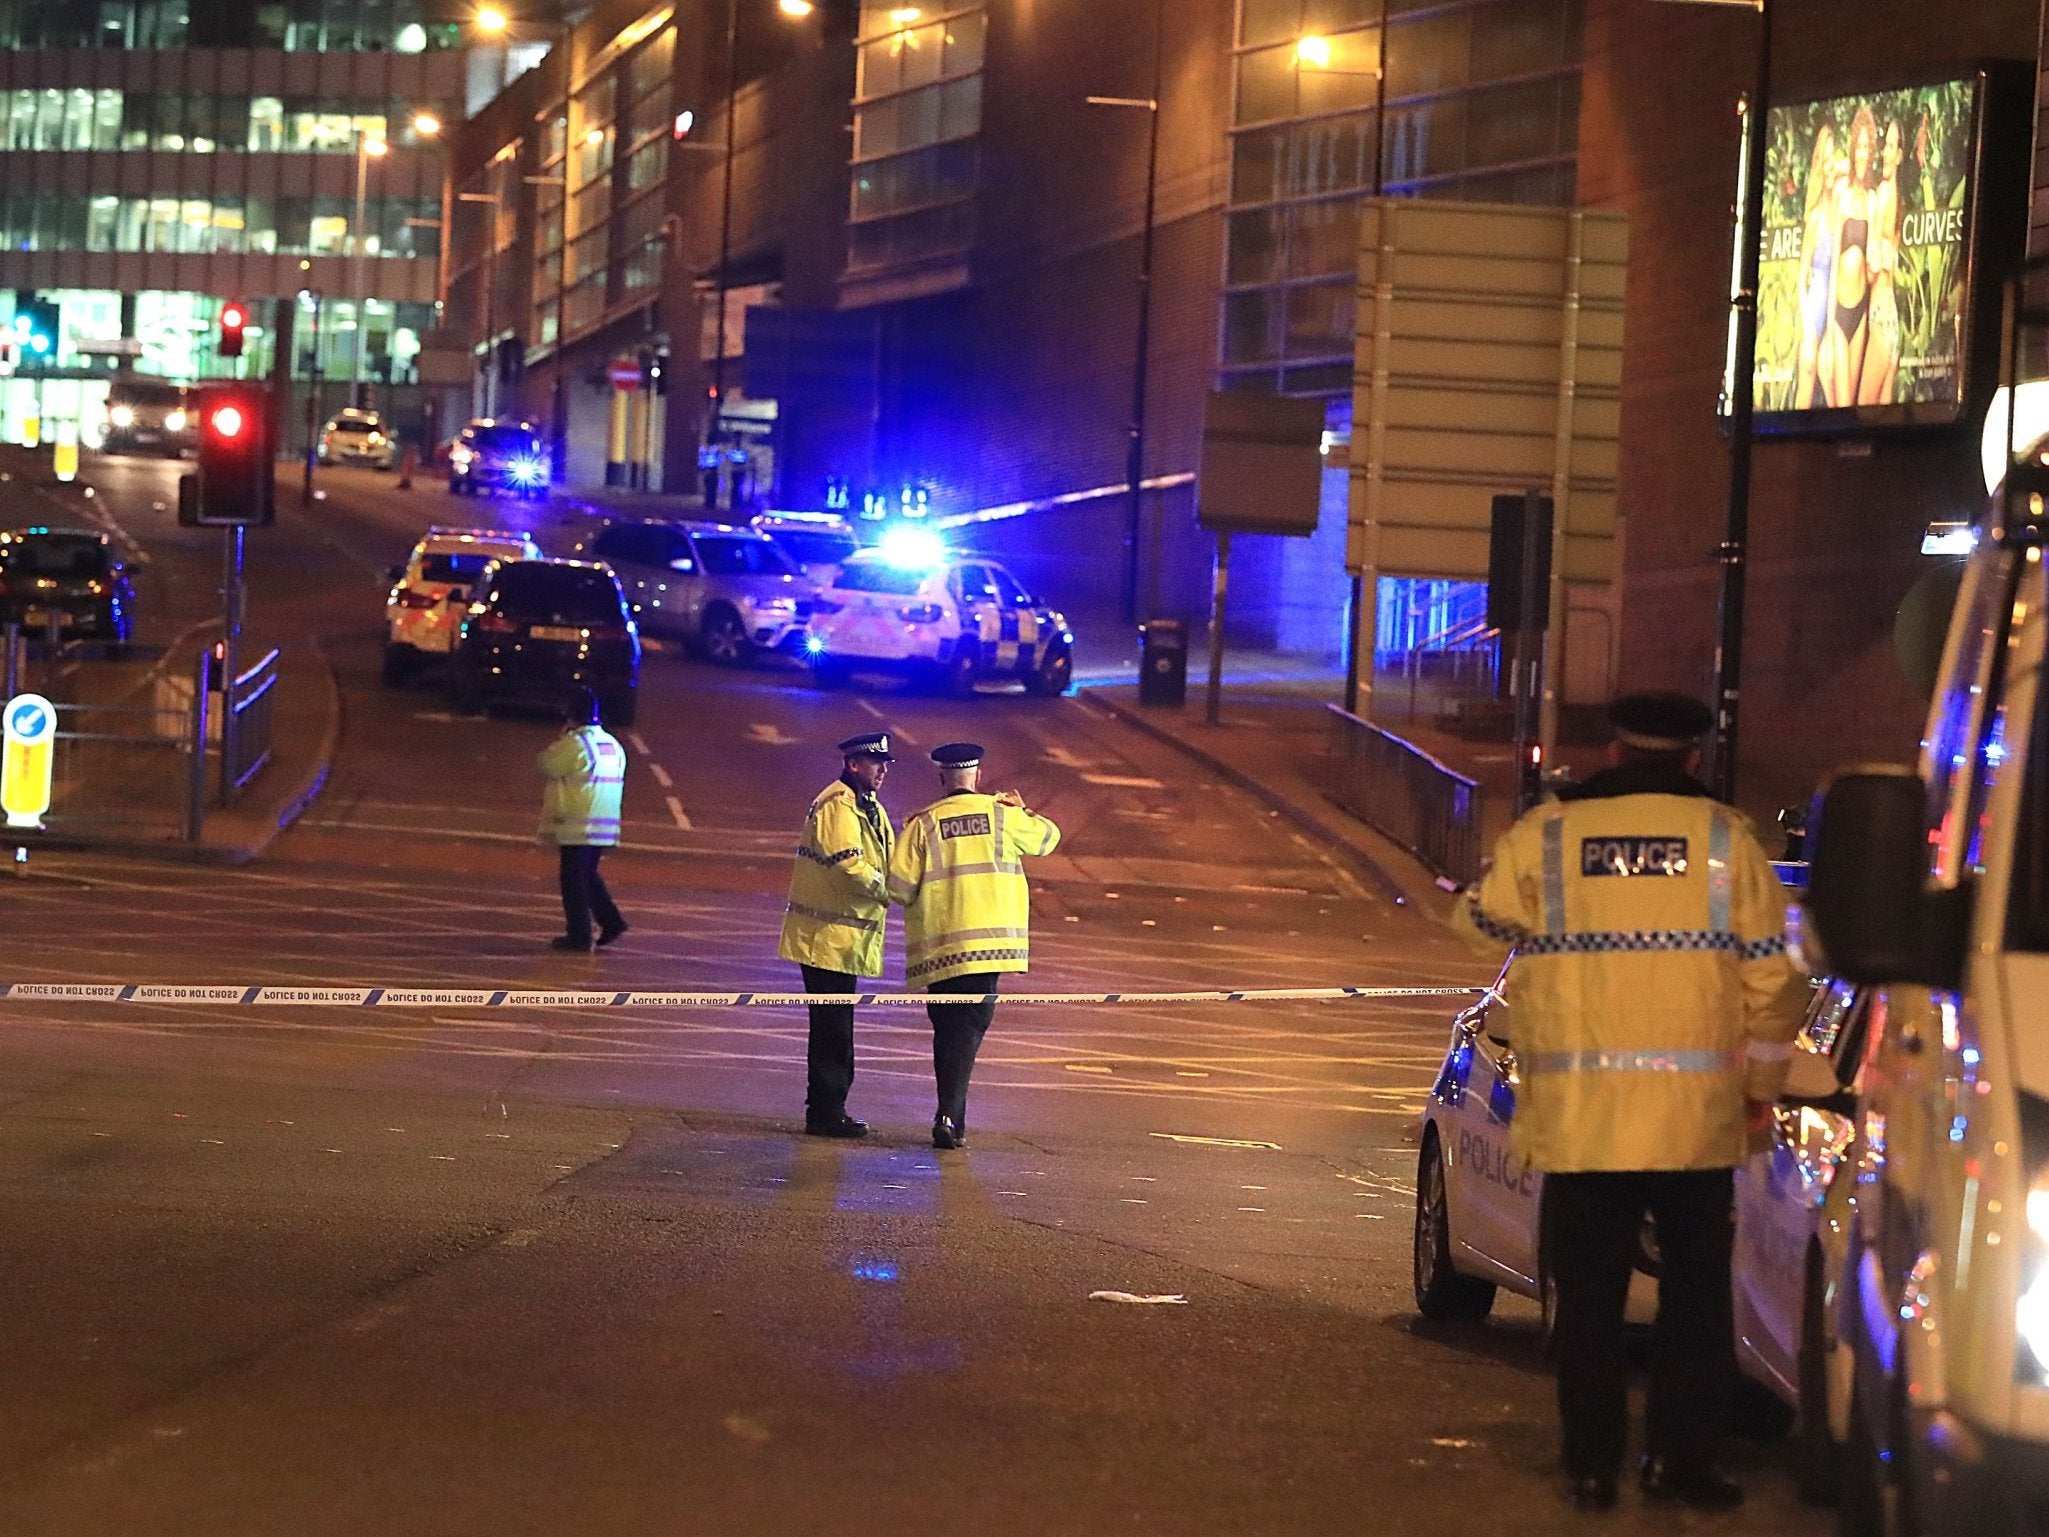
column 957, row 754
column 1660, row 722
column 874, row 744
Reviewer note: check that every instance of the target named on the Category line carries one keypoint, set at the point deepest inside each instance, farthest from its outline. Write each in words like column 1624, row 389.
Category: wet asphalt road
column 431, row 1272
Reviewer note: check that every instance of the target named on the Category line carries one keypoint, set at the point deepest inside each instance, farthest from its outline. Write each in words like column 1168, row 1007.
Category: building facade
column 159, row 159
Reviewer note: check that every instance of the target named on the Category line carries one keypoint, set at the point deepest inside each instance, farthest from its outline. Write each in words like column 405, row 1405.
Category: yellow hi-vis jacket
column 1651, row 992
column 958, row 873
column 585, row 770
column 838, row 905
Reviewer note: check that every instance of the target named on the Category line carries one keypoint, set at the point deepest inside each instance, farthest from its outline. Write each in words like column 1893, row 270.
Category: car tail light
column 497, row 624
column 920, row 613
column 825, row 606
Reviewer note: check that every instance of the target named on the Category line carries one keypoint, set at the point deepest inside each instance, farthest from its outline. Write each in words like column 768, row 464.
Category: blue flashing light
column 911, row 548
column 872, row 1270
column 528, row 472
column 814, row 645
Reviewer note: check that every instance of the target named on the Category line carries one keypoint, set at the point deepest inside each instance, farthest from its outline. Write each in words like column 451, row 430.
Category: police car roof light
column 912, row 548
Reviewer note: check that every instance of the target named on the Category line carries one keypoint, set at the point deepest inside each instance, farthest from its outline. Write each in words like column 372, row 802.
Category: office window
column 916, row 126
column 266, row 123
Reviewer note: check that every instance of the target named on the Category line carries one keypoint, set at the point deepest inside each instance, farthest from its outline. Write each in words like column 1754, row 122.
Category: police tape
column 535, row 998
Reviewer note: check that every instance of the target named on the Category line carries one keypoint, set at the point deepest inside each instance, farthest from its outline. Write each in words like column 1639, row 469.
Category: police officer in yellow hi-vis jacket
column 585, row 771
column 1651, row 1009
column 833, row 926
column 958, row 873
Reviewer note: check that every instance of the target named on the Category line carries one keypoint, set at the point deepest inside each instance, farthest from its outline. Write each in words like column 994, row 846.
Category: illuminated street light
column 491, row 20
column 1313, row 51
column 426, row 124
column 374, row 147
column 795, row 7
column 595, row 137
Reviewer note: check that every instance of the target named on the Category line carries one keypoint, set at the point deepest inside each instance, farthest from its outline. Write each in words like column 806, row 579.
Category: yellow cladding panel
column 1426, row 503
column 1461, row 554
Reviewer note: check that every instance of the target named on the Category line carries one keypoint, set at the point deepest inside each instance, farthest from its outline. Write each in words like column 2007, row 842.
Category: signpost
column 30, row 731
column 624, row 373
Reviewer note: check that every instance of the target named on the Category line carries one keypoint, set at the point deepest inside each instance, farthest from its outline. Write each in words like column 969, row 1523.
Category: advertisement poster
column 1862, row 297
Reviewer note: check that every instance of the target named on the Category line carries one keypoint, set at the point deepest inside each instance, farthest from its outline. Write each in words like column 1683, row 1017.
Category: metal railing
column 1401, row 791
column 245, row 737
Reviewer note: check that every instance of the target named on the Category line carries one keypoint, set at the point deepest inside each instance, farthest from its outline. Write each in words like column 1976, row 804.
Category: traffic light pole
column 234, row 595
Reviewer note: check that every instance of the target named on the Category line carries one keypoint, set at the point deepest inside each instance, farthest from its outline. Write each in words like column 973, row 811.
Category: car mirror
column 1867, row 900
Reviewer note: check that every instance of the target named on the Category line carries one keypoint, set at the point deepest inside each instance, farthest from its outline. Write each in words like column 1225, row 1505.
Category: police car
column 432, row 589
column 1479, row 1211
column 911, row 607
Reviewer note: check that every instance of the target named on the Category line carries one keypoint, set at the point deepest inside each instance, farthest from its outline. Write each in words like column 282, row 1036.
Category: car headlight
column 123, row 416
column 174, row 421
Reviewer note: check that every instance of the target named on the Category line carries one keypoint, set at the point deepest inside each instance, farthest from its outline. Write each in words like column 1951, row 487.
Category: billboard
column 1865, row 272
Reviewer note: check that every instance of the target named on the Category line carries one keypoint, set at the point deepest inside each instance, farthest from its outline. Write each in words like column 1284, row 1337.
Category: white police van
column 1932, row 884
column 1479, row 1211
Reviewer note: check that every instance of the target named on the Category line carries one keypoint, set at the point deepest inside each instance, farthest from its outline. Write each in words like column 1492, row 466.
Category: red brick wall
column 1834, row 538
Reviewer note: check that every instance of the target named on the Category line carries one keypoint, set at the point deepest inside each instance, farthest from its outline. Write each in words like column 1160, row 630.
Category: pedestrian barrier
column 586, row 998
column 247, row 737
column 1400, row 790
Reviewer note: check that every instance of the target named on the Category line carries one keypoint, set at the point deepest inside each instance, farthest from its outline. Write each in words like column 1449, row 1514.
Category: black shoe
column 606, row 936
column 1596, row 1493
column 570, row 942
column 946, row 1135
column 1699, row 1486
column 841, row 1125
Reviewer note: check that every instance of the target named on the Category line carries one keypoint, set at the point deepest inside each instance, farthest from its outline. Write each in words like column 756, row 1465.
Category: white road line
column 1123, row 781
column 870, row 708
column 661, row 776
column 639, row 742
column 676, row 811
column 770, row 735
column 903, row 736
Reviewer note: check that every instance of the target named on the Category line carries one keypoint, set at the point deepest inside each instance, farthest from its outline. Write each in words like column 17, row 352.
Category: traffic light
column 35, row 328
column 235, row 482
column 657, row 373
column 234, row 319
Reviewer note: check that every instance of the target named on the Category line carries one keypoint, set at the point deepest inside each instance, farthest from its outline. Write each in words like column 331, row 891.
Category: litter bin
column 1163, row 662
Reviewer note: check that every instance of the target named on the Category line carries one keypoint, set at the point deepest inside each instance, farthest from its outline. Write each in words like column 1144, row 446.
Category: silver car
column 724, row 589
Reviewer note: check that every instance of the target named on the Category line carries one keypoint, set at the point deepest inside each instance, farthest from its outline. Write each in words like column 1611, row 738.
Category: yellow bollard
column 406, row 464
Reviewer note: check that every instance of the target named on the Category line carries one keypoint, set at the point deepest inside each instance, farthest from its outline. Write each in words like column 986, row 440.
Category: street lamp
column 367, row 149
column 714, row 432
column 1734, row 553
column 1315, row 51
column 1134, row 461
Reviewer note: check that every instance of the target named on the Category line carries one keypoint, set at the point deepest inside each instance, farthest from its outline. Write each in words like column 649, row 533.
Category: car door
column 1497, row 1191
column 1019, row 639
column 1781, row 1187
column 981, row 614
column 624, row 547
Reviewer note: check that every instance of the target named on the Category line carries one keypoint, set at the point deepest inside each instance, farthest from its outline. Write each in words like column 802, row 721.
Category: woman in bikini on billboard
column 1849, row 329
column 1882, row 360
column 1817, row 263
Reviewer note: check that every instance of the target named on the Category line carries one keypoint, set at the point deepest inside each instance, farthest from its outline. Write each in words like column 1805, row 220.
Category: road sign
column 625, row 373
column 29, row 727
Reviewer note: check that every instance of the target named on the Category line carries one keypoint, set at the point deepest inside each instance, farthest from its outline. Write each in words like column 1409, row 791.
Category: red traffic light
column 233, row 317
column 226, row 422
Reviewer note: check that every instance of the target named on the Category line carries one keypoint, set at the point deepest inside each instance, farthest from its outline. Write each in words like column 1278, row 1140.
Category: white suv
column 431, row 591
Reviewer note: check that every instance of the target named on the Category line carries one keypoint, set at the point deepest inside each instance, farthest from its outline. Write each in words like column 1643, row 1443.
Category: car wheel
column 1818, row 1460
column 1442, row 1294
column 1053, row 675
column 958, row 676
column 722, row 638
column 398, row 665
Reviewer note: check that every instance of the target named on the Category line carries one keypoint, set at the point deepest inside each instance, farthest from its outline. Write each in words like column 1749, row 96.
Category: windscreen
column 814, row 548
column 145, row 392
column 351, row 424
column 453, row 566
column 880, row 576
column 725, row 555
column 548, row 594
column 507, row 440
column 57, row 556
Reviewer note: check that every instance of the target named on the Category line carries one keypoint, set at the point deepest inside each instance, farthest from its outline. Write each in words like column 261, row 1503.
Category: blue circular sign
column 30, row 719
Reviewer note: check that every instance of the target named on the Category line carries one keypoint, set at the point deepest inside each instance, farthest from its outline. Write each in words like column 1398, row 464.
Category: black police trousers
column 829, row 1055
column 584, row 895
column 1592, row 1225
column 957, row 1031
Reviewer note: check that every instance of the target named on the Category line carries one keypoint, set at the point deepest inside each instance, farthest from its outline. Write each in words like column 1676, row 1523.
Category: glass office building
column 161, row 157
column 1337, row 100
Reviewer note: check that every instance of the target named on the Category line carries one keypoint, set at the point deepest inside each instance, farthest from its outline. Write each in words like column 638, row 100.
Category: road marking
column 1123, row 781
column 1171, row 1136
column 771, row 736
column 639, row 742
column 676, row 811
column 438, row 717
column 864, row 704
column 661, row 776
column 1065, row 759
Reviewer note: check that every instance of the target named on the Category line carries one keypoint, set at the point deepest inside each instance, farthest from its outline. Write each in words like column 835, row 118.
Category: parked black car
column 537, row 628
column 491, row 455
column 72, row 573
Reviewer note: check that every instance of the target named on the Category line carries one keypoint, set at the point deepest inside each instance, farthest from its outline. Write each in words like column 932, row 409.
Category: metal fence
column 1403, row 792
column 245, row 740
